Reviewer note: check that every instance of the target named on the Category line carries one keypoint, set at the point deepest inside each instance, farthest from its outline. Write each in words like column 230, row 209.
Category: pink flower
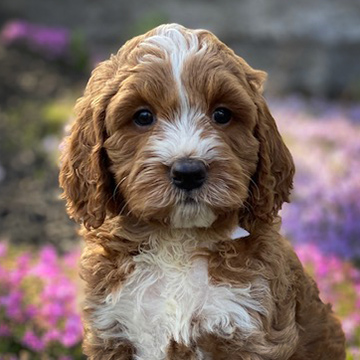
column 350, row 324
column 3, row 249
column 51, row 41
column 71, row 260
column 62, row 290
column 32, row 341
column 48, row 255
column 51, row 336
column 12, row 304
column 52, row 312
column 14, row 30
column 73, row 331
column 31, row 311
column 23, row 261
column 4, row 330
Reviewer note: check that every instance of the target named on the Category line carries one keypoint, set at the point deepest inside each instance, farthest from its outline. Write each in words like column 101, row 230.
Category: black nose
column 188, row 174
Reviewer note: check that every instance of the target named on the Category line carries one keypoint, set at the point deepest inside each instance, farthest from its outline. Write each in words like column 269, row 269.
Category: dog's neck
column 146, row 235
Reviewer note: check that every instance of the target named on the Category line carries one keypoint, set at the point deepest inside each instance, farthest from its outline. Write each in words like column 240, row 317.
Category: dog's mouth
column 189, row 200
column 191, row 213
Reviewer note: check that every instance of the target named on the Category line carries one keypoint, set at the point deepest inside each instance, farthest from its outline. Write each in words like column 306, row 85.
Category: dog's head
column 174, row 129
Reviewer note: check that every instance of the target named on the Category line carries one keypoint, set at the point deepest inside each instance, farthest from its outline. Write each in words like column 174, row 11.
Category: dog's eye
column 144, row 118
column 222, row 115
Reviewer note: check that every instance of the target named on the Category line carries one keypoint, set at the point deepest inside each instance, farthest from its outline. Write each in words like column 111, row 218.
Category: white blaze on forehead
column 175, row 43
column 182, row 136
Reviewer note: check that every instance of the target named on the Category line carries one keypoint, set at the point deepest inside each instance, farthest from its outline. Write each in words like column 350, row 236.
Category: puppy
column 176, row 170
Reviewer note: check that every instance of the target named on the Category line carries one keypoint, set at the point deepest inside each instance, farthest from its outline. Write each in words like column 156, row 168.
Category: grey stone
column 307, row 46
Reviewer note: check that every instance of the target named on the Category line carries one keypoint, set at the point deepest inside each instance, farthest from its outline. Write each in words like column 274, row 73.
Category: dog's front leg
column 178, row 351
column 98, row 349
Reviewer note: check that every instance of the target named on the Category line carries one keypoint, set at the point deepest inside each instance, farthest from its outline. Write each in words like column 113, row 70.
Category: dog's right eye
column 222, row 115
column 144, row 118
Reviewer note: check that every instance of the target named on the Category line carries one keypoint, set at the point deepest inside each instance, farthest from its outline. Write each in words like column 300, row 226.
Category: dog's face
column 174, row 129
column 180, row 129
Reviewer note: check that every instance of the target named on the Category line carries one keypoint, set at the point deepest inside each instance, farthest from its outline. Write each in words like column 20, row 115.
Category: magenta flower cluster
column 325, row 207
column 339, row 284
column 52, row 42
column 333, row 274
column 38, row 308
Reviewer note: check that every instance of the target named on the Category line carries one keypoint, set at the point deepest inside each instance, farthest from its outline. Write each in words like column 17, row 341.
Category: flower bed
column 339, row 284
column 38, row 310
column 325, row 207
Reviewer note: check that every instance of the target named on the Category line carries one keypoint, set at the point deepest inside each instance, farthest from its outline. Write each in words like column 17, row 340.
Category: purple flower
column 13, row 31
column 350, row 325
column 4, row 330
column 52, row 312
column 33, row 341
column 53, row 335
column 12, row 305
column 325, row 208
column 72, row 332
column 31, row 312
column 48, row 255
column 54, row 42
column 339, row 284
column 38, row 296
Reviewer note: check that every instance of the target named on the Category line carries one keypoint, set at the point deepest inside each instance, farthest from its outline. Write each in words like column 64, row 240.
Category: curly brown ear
column 84, row 174
column 272, row 182
column 273, row 179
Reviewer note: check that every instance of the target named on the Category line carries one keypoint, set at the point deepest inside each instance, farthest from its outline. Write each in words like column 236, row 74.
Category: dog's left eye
column 144, row 118
column 222, row 115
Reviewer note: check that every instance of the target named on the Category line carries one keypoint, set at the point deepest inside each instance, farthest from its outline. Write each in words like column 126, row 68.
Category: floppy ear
column 272, row 182
column 84, row 174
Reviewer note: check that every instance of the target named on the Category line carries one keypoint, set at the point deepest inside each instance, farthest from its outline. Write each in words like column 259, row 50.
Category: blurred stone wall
column 307, row 46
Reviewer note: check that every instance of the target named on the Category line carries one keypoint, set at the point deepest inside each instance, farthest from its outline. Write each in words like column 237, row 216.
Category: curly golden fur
column 164, row 279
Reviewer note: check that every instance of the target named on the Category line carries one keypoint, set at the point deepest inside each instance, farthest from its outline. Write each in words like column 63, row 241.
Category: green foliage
column 79, row 51
column 27, row 131
column 55, row 114
column 148, row 22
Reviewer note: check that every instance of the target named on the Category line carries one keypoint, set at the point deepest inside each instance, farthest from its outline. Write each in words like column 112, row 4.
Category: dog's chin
column 191, row 214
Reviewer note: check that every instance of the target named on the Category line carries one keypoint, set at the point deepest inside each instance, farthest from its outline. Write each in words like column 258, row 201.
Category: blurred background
column 311, row 51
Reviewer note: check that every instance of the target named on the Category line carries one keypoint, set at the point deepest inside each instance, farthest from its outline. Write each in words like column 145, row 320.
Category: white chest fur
column 169, row 296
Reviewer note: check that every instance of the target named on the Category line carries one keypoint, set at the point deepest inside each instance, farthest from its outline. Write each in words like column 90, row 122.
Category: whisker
column 117, row 186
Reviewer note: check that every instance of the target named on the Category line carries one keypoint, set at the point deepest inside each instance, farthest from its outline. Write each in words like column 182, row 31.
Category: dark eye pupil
column 143, row 118
column 222, row 115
